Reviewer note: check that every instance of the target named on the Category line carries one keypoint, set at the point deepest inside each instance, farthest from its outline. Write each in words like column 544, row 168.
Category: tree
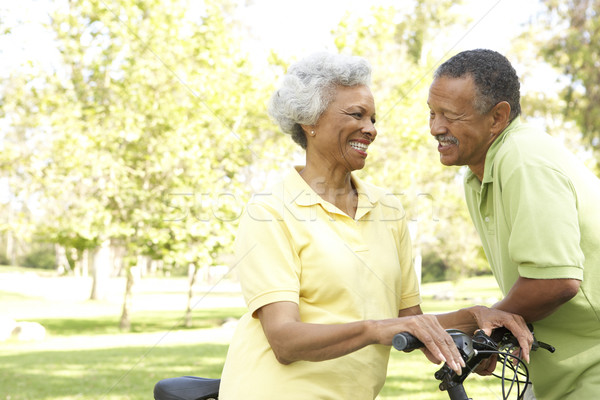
column 399, row 45
column 19, row 155
column 573, row 47
column 146, row 122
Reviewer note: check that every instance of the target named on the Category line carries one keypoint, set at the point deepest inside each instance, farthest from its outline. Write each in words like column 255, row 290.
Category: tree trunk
column 10, row 248
column 62, row 262
column 413, row 229
column 101, row 271
column 125, row 323
column 133, row 275
column 86, row 260
column 142, row 264
column 192, row 273
column 118, row 260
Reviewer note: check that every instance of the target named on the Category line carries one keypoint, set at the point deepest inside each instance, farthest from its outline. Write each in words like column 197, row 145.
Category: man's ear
column 501, row 117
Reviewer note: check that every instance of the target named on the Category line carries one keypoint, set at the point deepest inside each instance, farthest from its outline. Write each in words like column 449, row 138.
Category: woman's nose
column 370, row 130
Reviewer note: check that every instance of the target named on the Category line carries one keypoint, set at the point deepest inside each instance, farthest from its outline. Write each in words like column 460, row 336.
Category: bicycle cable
column 519, row 369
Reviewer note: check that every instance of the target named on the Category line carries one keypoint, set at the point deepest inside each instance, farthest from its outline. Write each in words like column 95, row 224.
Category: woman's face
column 346, row 128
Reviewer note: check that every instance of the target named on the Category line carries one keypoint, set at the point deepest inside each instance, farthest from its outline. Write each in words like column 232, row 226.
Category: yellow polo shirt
column 294, row 246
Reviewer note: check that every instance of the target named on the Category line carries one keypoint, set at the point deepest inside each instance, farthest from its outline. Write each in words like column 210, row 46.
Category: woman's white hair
column 308, row 88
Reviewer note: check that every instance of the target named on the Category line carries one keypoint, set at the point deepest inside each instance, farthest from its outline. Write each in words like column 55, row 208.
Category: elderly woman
column 324, row 259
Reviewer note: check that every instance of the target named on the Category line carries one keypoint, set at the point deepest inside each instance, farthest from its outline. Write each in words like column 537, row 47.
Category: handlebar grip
column 404, row 341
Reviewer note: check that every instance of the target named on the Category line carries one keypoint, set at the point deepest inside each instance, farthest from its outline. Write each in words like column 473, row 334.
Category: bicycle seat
column 187, row 388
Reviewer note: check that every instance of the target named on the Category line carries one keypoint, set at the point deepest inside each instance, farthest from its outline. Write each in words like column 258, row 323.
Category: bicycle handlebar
column 473, row 350
column 404, row 341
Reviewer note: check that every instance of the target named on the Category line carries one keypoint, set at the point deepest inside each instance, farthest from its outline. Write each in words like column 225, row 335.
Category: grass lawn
column 84, row 356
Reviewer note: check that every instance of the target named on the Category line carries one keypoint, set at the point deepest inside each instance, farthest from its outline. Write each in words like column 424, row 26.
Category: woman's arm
column 293, row 340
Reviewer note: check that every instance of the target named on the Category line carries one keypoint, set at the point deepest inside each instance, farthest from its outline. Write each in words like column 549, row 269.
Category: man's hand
column 487, row 366
column 490, row 318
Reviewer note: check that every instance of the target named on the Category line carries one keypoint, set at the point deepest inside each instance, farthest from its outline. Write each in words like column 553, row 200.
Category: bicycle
column 473, row 350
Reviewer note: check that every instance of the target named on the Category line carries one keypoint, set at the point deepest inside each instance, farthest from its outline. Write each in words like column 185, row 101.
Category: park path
column 27, row 296
column 68, row 296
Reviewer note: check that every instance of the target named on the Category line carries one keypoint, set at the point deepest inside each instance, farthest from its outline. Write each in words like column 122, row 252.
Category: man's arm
column 479, row 317
column 535, row 299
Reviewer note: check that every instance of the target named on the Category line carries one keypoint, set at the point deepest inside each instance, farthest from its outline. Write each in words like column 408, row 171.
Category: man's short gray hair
column 495, row 78
column 308, row 88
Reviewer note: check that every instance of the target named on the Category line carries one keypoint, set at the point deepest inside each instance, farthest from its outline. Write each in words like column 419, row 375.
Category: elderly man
column 537, row 210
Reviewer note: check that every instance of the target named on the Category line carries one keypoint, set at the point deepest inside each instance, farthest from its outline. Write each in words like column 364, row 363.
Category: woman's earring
column 312, row 133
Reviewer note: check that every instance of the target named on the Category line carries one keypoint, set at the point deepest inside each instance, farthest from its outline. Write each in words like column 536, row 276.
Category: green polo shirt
column 537, row 212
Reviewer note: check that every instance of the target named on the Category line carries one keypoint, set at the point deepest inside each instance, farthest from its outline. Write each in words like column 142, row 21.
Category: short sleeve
column 411, row 295
column 266, row 263
column 409, row 291
column 541, row 206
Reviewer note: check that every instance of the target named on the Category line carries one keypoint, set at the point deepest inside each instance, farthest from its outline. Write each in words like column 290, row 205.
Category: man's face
column 463, row 133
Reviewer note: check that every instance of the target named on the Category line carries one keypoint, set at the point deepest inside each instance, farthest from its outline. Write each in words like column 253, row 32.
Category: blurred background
column 133, row 132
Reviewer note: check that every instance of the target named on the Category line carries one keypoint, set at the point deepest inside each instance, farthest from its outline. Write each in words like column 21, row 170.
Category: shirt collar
column 488, row 169
column 304, row 195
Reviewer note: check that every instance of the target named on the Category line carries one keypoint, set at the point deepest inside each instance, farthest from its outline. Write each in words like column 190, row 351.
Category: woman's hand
column 439, row 345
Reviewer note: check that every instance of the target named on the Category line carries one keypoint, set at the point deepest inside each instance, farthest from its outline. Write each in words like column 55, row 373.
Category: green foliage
column 40, row 257
column 433, row 269
column 152, row 131
column 141, row 131
column 404, row 158
column 544, row 84
column 574, row 48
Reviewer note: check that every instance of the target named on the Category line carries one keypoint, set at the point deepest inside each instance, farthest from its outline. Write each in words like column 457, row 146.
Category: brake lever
column 503, row 337
column 468, row 348
column 474, row 350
